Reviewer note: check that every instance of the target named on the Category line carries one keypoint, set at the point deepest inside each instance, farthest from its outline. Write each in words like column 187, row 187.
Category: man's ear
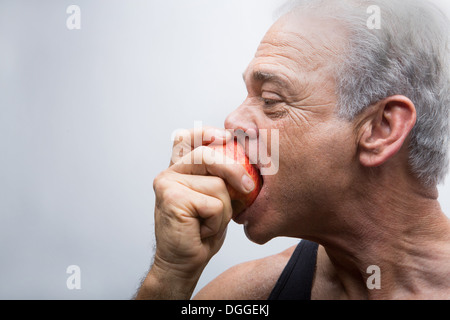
column 386, row 128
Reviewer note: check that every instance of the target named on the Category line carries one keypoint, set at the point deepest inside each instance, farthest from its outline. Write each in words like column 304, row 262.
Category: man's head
column 355, row 108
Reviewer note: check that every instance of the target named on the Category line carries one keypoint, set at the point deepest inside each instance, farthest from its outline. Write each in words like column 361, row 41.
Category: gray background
column 86, row 118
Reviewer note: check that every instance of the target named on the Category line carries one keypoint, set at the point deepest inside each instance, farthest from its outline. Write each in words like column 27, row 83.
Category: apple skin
column 241, row 201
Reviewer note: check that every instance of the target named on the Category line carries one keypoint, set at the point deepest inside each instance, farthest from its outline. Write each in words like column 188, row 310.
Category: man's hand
column 192, row 211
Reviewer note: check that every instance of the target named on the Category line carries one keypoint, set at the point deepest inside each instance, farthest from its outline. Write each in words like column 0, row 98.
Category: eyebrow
column 261, row 76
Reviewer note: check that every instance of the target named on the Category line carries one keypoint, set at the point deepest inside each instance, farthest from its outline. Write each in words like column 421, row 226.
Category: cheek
column 335, row 149
column 319, row 158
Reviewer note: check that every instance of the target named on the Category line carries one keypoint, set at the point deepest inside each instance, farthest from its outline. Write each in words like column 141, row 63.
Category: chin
column 255, row 235
column 260, row 225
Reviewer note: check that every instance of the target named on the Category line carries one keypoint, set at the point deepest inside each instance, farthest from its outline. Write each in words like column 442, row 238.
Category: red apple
column 240, row 201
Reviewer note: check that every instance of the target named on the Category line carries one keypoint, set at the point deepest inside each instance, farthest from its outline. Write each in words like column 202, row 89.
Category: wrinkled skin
column 315, row 146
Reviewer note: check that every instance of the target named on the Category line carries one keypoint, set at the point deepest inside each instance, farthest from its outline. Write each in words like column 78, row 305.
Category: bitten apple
column 240, row 201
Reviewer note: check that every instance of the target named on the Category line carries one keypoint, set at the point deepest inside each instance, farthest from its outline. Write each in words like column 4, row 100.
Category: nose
column 243, row 118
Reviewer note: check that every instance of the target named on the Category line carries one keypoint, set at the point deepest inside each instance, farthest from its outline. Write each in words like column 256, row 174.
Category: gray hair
column 408, row 55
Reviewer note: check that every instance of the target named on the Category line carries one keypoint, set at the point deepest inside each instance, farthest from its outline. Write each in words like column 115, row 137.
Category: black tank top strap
column 295, row 282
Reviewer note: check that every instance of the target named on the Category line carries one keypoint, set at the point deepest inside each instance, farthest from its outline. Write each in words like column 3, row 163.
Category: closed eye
column 270, row 99
column 270, row 102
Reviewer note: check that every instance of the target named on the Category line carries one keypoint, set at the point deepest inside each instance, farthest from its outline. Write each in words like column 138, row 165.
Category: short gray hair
column 408, row 56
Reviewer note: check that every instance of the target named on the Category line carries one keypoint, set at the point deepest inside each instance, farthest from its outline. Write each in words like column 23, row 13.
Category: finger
column 205, row 161
column 185, row 141
column 211, row 213
column 211, row 186
column 214, row 220
column 204, row 215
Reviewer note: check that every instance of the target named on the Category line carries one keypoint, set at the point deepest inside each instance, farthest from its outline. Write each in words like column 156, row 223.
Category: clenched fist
column 192, row 211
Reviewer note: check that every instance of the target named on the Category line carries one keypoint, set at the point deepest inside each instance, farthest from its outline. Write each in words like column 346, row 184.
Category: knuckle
column 161, row 182
column 157, row 182
column 219, row 206
column 218, row 184
column 181, row 135
column 209, row 204
column 171, row 201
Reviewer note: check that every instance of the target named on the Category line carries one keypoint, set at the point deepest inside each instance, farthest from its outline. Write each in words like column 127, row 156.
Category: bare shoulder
column 253, row 280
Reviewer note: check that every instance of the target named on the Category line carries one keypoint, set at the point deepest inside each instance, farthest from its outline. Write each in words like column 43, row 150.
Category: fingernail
column 248, row 183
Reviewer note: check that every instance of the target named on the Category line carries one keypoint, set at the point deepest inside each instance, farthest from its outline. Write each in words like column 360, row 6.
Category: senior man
column 363, row 120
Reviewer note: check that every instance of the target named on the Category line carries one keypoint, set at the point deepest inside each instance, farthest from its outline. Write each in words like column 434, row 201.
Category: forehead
column 299, row 42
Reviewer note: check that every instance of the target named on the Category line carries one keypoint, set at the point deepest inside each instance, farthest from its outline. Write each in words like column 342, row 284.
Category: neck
column 403, row 233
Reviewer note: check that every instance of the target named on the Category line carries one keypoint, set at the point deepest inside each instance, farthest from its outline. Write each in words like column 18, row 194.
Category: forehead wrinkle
column 289, row 58
column 308, row 47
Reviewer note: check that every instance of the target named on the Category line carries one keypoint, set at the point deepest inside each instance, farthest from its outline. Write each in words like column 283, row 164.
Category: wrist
column 165, row 283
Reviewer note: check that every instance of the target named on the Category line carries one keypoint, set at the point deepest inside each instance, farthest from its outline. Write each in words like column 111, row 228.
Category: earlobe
column 388, row 124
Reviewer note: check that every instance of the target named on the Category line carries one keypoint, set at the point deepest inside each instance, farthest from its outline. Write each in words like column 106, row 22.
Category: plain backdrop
column 86, row 118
